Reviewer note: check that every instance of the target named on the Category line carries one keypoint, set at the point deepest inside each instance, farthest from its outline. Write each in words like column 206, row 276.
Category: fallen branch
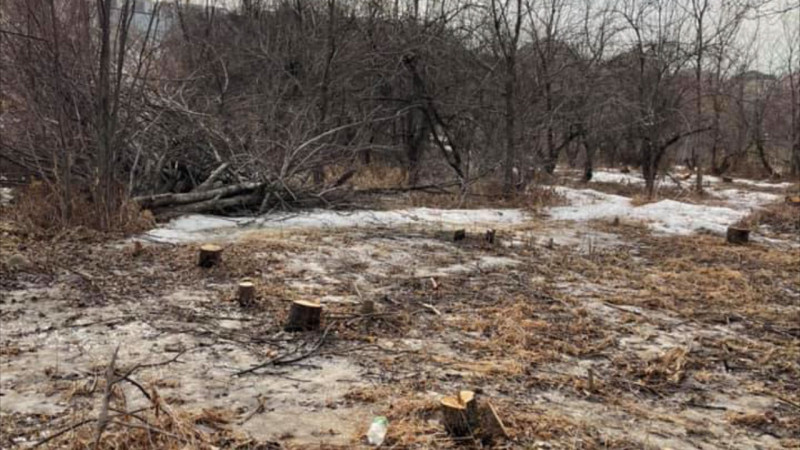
column 206, row 185
column 279, row 359
column 172, row 199
column 103, row 419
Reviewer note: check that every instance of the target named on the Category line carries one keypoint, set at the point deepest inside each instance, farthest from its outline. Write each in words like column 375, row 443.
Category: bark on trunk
column 304, row 316
column 210, row 255
column 171, row 199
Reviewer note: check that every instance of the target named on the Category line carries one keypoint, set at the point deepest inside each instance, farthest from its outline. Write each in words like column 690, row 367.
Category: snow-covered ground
column 198, row 227
column 665, row 216
column 636, row 179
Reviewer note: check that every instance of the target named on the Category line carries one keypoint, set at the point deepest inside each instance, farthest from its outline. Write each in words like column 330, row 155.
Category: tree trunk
column 649, row 169
column 510, row 156
column 762, row 155
column 588, row 166
column 104, row 128
column 171, row 199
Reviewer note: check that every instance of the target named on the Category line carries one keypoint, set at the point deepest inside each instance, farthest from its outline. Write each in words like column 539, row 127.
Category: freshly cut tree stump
column 460, row 414
column 738, row 235
column 490, row 235
column 247, row 293
column 459, row 235
column 793, row 200
column 304, row 316
column 210, row 255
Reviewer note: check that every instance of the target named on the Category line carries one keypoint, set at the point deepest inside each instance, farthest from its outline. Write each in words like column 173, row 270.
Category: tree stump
column 793, row 200
column 247, row 293
column 490, row 236
column 727, row 180
column 459, row 235
column 625, row 169
column 738, row 235
column 304, row 316
column 460, row 414
column 210, row 255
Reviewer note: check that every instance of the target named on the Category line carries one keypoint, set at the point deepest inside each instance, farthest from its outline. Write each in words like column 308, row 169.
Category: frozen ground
column 584, row 334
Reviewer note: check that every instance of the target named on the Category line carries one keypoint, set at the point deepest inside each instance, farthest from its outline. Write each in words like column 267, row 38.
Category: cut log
column 490, row 236
column 738, row 235
column 460, row 414
column 459, row 235
column 304, row 316
column 247, row 293
column 155, row 201
column 215, row 204
column 210, row 255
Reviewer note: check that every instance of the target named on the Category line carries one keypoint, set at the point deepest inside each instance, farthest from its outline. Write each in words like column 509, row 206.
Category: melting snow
column 747, row 199
column 198, row 227
column 666, row 216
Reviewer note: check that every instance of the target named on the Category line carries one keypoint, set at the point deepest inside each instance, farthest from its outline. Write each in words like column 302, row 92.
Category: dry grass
column 38, row 207
column 781, row 218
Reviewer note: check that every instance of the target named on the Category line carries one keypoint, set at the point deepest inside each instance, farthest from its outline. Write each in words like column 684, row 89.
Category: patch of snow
column 617, row 177
column 666, row 216
column 6, row 195
column 632, row 179
column 765, row 184
column 197, row 227
column 747, row 199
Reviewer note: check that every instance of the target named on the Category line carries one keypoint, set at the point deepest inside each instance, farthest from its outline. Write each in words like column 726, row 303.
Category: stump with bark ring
column 304, row 316
column 247, row 293
column 738, row 235
column 210, row 255
column 460, row 414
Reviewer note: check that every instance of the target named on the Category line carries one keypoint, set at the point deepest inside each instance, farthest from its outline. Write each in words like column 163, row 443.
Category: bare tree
column 507, row 18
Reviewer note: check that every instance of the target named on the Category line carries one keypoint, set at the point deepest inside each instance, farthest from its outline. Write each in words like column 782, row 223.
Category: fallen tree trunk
column 246, row 201
column 161, row 200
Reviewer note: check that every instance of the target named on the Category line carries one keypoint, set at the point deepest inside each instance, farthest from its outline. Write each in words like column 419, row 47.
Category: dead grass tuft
column 39, row 208
column 779, row 217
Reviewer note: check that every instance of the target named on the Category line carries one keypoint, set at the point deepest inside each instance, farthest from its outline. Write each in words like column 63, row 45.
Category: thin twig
column 279, row 359
column 103, row 418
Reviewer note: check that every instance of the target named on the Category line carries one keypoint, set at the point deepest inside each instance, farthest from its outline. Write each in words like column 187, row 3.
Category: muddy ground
column 594, row 334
